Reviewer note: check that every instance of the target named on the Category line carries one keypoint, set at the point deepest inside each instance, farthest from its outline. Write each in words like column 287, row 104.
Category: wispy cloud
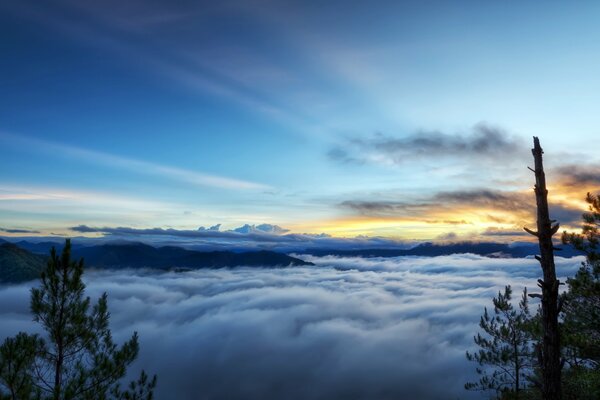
column 483, row 142
column 18, row 230
column 452, row 202
column 133, row 165
column 131, row 33
column 52, row 209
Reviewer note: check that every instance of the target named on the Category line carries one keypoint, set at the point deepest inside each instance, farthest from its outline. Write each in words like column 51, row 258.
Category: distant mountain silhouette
column 43, row 247
column 24, row 260
column 19, row 265
column 489, row 249
column 139, row 255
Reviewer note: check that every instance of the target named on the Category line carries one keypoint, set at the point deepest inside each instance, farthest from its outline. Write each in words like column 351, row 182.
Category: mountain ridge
column 429, row 249
column 140, row 255
column 19, row 265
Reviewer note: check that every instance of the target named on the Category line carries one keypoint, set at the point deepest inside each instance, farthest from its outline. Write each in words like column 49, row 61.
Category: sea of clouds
column 346, row 328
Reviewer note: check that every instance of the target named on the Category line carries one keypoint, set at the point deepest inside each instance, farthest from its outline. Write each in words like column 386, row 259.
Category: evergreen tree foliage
column 582, row 302
column 17, row 358
column 78, row 358
column 505, row 355
column 589, row 238
column 581, row 310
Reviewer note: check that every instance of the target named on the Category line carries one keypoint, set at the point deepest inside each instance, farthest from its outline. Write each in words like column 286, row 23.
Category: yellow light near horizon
column 408, row 228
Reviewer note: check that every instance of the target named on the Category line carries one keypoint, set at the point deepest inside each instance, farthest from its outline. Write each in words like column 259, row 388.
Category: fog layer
column 346, row 328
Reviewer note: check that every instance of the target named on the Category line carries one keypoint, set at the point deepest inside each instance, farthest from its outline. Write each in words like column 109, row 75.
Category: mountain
column 42, row 247
column 139, row 255
column 489, row 249
column 19, row 265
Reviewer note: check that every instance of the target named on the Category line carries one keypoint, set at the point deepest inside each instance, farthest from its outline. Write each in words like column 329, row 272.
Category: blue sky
column 340, row 117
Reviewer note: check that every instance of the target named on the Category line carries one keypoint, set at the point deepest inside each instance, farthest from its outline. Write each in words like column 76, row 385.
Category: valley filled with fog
column 361, row 328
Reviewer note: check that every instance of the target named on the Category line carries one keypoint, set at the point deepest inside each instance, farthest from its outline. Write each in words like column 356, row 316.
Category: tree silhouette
column 550, row 356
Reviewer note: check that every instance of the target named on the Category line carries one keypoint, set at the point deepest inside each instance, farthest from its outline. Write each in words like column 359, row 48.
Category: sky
column 377, row 328
column 396, row 120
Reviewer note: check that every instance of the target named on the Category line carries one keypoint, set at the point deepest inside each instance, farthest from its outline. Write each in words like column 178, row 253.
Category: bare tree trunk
column 550, row 354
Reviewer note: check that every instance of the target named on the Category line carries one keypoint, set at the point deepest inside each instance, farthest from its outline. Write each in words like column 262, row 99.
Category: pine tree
column 505, row 355
column 581, row 311
column 17, row 357
column 582, row 305
column 78, row 358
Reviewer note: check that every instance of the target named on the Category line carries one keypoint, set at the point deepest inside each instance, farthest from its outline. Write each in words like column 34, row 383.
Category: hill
column 432, row 250
column 19, row 265
column 139, row 255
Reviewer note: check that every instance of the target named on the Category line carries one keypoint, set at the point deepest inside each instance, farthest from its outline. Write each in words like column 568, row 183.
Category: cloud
column 448, row 204
column 483, row 142
column 449, row 222
column 262, row 228
column 262, row 232
column 383, row 208
column 138, row 34
column 579, row 175
column 247, row 237
column 380, row 328
column 448, row 236
column 502, row 232
column 488, row 198
column 8, row 230
column 469, row 207
column 483, row 198
column 566, row 215
column 214, row 228
column 133, row 165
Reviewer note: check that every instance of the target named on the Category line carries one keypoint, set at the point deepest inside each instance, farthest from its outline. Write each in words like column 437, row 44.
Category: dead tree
column 550, row 358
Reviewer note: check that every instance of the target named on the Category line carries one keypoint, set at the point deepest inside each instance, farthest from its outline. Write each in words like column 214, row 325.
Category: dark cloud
column 448, row 222
column 482, row 198
column 584, row 176
column 566, row 215
column 502, row 232
column 377, row 328
column 8, row 230
column 486, row 198
column 386, row 208
column 484, row 141
column 449, row 236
